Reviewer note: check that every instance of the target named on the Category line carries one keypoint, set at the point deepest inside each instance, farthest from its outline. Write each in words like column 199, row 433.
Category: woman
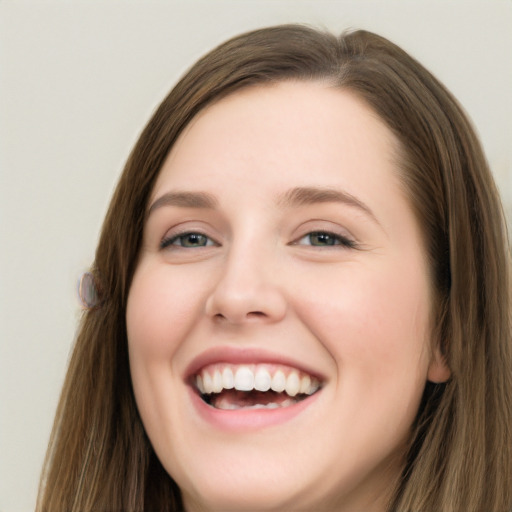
column 303, row 297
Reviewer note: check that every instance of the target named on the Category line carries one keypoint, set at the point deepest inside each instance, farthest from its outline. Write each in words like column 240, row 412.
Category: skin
column 358, row 312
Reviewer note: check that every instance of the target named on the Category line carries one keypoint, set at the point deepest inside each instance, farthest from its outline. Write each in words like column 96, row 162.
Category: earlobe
column 89, row 291
column 438, row 370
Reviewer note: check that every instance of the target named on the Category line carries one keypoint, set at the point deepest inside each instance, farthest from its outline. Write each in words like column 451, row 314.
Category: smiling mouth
column 257, row 386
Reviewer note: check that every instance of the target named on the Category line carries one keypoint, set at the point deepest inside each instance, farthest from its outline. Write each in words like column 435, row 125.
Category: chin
column 256, row 494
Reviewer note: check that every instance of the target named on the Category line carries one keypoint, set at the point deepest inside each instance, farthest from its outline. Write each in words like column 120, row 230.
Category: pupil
column 194, row 239
column 322, row 239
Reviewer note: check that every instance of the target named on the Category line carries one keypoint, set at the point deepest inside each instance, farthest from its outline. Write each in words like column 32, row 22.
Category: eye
column 325, row 239
column 189, row 240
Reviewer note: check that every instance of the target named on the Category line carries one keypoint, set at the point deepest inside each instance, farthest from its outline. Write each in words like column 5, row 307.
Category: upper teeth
column 255, row 377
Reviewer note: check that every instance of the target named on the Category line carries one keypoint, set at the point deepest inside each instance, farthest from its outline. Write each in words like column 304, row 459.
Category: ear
column 438, row 370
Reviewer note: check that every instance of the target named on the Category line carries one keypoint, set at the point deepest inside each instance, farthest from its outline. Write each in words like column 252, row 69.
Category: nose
column 247, row 290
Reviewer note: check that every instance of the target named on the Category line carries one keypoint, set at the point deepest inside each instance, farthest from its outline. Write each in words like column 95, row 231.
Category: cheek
column 158, row 321
column 158, row 318
column 375, row 324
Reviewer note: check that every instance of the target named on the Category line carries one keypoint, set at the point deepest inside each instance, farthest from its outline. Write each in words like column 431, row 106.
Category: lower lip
column 249, row 419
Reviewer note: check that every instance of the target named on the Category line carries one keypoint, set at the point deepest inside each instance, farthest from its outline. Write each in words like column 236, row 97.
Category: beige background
column 77, row 82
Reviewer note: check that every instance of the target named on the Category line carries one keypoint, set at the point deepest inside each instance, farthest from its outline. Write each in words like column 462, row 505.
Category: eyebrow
column 296, row 197
column 184, row 200
column 301, row 196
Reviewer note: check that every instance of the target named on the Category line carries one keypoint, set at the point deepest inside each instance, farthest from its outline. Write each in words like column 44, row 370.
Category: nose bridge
column 248, row 287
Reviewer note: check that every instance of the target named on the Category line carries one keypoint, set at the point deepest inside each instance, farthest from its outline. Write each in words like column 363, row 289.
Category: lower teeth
column 231, row 406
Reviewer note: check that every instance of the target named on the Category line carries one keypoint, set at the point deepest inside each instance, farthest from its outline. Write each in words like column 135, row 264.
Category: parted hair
column 459, row 453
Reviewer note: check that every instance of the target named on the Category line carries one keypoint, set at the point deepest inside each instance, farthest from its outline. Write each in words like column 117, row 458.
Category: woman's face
column 278, row 319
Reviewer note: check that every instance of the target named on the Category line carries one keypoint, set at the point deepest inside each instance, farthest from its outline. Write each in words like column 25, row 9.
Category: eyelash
column 330, row 240
column 169, row 241
column 336, row 239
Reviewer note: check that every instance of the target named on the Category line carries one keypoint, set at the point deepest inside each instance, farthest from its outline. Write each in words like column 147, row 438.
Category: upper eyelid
column 324, row 226
column 191, row 226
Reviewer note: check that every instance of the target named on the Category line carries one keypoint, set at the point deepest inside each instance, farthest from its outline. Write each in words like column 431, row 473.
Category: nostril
column 250, row 315
column 255, row 314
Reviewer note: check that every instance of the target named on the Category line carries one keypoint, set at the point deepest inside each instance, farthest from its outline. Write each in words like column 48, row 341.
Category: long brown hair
column 460, row 456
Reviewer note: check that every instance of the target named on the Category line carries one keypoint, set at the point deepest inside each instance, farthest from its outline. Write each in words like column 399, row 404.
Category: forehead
column 289, row 133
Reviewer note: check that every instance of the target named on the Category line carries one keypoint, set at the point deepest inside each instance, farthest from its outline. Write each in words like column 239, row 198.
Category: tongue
column 231, row 398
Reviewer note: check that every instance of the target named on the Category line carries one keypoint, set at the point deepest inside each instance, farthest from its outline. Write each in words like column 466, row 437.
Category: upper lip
column 245, row 355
